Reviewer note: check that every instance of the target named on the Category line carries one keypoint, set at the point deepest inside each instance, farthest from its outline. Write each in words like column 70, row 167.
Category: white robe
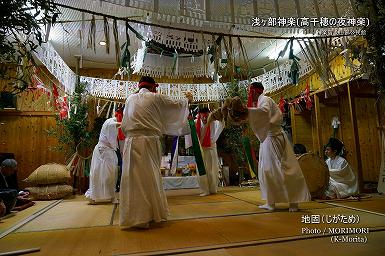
column 343, row 181
column 104, row 164
column 280, row 176
column 209, row 182
column 146, row 117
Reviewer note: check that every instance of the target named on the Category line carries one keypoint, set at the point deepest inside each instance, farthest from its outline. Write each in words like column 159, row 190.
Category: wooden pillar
column 298, row 7
column 318, row 149
column 231, row 58
column 255, row 8
column 316, row 7
column 276, row 8
column 356, row 146
column 336, row 8
column 208, row 9
column 292, row 124
column 156, row 6
column 232, row 11
column 182, row 8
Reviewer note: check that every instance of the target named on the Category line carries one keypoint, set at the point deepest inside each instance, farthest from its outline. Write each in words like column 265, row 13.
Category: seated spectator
column 343, row 181
column 299, row 149
column 8, row 180
column 2, row 208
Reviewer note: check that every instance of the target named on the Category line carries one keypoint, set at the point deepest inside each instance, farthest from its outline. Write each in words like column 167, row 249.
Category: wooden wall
column 358, row 129
column 301, row 123
column 368, row 135
column 355, row 103
column 23, row 131
column 24, row 135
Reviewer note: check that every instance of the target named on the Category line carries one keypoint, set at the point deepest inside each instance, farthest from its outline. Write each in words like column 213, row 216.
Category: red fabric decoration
column 147, row 84
column 55, row 96
column 37, row 84
column 63, row 113
column 119, row 118
column 308, row 100
column 253, row 91
column 281, row 104
column 207, row 137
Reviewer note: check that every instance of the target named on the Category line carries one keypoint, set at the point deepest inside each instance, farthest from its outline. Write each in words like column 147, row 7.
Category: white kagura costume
column 104, row 164
column 146, row 117
column 209, row 182
column 343, row 181
column 280, row 176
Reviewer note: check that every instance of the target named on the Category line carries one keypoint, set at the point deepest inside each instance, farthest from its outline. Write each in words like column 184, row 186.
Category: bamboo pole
column 317, row 123
column 356, row 146
column 20, row 252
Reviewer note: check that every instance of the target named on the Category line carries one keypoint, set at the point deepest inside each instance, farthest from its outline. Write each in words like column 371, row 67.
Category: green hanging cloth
column 197, row 149
column 87, row 167
column 247, row 148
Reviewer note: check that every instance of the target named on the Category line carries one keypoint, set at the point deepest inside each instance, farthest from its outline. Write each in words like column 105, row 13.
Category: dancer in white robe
column 208, row 137
column 104, row 164
column 342, row 182
column 280, row 176
column 147, row 115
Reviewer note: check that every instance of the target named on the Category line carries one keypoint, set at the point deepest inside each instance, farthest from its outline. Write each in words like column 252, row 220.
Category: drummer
column 343, row 181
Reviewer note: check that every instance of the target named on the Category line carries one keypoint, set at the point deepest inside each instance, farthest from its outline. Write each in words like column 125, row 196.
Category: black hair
column 335, row 144
column 11, row 163
column 147, row 79
column 119, row 107
column 204, row 110
column 299, row 149
column 257, row 85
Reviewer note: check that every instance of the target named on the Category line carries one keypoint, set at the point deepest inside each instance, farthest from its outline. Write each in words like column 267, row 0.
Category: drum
column 316, row 173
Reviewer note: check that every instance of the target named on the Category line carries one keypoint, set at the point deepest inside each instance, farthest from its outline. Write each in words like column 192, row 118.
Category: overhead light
column 280, row 44
column 102, row 43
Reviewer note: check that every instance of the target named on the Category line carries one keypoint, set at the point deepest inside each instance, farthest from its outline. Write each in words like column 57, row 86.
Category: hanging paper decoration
column 139, row 59
column 137, row 34
column 99, row 110
column 335, row 124
column 175, row 62
column 226, row 64
column 107, row 34
column 215, row 51
column 92, row 34
column 126, row 56
column 117, row 45
column 294, row 68
column 318, row 53
column 244, row 55
column 38, row 85
column 294, row 72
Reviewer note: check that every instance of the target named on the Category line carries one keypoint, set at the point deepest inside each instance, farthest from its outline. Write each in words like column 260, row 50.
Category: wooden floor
column 229, row 223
